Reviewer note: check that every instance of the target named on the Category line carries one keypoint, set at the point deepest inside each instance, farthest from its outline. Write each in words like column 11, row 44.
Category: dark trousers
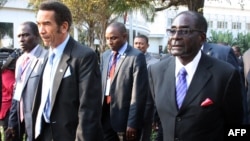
column 146, row 131
column 46, row 132
column 109, row 133
column 22, row 135
column 159, row 136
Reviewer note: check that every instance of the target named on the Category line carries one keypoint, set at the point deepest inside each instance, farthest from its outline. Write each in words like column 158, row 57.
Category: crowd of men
column 63, row 93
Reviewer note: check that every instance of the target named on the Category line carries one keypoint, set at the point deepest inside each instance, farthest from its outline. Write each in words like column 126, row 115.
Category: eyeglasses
column 182, row 31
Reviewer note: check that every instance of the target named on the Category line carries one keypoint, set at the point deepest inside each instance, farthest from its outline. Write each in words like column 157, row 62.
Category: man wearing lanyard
column 125, row 83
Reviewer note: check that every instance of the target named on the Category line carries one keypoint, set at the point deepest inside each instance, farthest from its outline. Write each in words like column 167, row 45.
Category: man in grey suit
column 125, row 90
column 26, row 76
column 68, row 101
column 207, row 98
column 141, row 43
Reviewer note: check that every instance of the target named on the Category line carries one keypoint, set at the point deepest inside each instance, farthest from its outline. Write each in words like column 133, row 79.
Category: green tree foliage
column 193, row 5
column 221, row 37
column 95, row 15
column 86, row 14
column 242, row 40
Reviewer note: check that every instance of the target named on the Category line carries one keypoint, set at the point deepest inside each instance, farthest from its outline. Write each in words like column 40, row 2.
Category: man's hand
column 131, row 134
column 155, row 126
column 10, row 133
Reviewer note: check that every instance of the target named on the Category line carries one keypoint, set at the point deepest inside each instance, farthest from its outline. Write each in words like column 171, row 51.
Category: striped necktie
column 181, row 87
column 112, row 73
column 47, row 107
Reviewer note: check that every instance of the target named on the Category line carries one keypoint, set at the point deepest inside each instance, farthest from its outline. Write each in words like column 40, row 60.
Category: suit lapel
column 119, row 63
column 61, row 68
column 121, row 60
column 169, row 78
column 105, row 62
column 199, row 81
column 33, row 63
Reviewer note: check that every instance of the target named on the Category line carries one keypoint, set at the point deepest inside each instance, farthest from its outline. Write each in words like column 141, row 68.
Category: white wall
column 157, row 34
column 16, row 12
column 154, row 45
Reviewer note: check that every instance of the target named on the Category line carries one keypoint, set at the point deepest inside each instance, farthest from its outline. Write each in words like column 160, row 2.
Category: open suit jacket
column 213, row 79
column 128, row 89
column 28, row 87
column 76, row 96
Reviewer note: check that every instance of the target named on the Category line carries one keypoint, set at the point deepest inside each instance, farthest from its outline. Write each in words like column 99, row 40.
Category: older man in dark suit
column 68, row 100
column 197, row 96
column 125, row 86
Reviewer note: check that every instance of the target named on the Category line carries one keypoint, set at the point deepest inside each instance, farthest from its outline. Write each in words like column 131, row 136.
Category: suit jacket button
column 176, row 139
column 178, row 119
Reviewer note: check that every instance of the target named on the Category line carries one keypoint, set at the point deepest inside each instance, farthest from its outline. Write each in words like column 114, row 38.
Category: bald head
column 28, row 36
column 33, row 27
column 199, row 20
column 116, row 35
column 120, row 27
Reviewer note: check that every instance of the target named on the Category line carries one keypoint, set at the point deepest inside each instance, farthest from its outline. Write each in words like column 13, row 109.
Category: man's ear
column 64, row 27
column 125, row 35
column 203, row 37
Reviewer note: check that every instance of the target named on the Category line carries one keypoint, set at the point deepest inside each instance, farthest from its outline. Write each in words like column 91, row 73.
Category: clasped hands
column 10, row 134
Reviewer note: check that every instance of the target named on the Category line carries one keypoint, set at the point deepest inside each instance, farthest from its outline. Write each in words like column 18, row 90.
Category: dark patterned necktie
column 112, row 72
column 112, row 68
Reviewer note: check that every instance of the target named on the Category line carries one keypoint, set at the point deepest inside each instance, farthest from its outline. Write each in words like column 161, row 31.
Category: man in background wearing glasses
column 196, row 96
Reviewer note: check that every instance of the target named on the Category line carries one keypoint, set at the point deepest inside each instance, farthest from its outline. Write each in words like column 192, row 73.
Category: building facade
column 222, row 15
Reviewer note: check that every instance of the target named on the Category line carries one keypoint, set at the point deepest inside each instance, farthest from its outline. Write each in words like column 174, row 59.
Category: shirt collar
column 190, row 67
column 122, row 50
column 32, row 52
column 60, row 48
